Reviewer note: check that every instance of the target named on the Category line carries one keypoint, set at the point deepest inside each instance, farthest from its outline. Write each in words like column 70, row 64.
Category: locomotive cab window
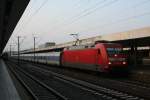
column 111, row 51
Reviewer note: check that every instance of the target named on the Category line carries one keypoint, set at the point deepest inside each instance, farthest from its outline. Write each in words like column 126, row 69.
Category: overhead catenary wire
column 78, row 2
column 92, row 11
column 123, row 20
column 141, row 3
column 33, row 15
column 88, row 9
column 27, row 12
column 75, row 17
column 25, row 15
column 111, row 23
column 65, row 21
column 129, row 18
column 88, row 12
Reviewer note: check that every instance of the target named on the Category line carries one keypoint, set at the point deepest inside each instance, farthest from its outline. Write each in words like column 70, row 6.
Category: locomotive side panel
column 82, row 59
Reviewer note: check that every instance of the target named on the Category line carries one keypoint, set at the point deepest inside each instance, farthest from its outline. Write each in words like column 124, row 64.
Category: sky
column 55, row 20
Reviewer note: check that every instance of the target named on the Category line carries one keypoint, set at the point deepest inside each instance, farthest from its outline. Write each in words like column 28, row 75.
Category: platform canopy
column 10, row 13
column 139, row 42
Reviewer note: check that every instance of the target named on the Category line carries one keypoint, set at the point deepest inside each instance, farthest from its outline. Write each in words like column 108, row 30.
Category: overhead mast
column 76, row 36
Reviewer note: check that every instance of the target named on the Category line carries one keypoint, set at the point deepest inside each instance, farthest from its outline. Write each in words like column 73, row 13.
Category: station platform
column 7, row 88
column 141, row 73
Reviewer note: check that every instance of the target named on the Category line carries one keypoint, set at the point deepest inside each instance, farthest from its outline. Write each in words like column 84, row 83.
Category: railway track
column 38, row 90
column 85, row 92
column 112, row 79
column 128, row 86
column 115, row 79
column 97, row 89
column 134, row 82
column 118, row 79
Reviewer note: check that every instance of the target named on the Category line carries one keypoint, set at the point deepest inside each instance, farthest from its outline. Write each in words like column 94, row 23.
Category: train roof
column 77, row 47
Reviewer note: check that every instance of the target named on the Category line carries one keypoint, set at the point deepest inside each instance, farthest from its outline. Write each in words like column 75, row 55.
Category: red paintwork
column 87, row 56
column 92, row 56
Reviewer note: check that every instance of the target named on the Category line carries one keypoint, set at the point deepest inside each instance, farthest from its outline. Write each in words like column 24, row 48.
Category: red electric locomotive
column 103, row 57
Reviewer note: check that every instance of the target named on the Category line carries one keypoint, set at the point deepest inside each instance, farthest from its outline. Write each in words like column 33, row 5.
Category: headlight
column 124, row 62
column 109, row 63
